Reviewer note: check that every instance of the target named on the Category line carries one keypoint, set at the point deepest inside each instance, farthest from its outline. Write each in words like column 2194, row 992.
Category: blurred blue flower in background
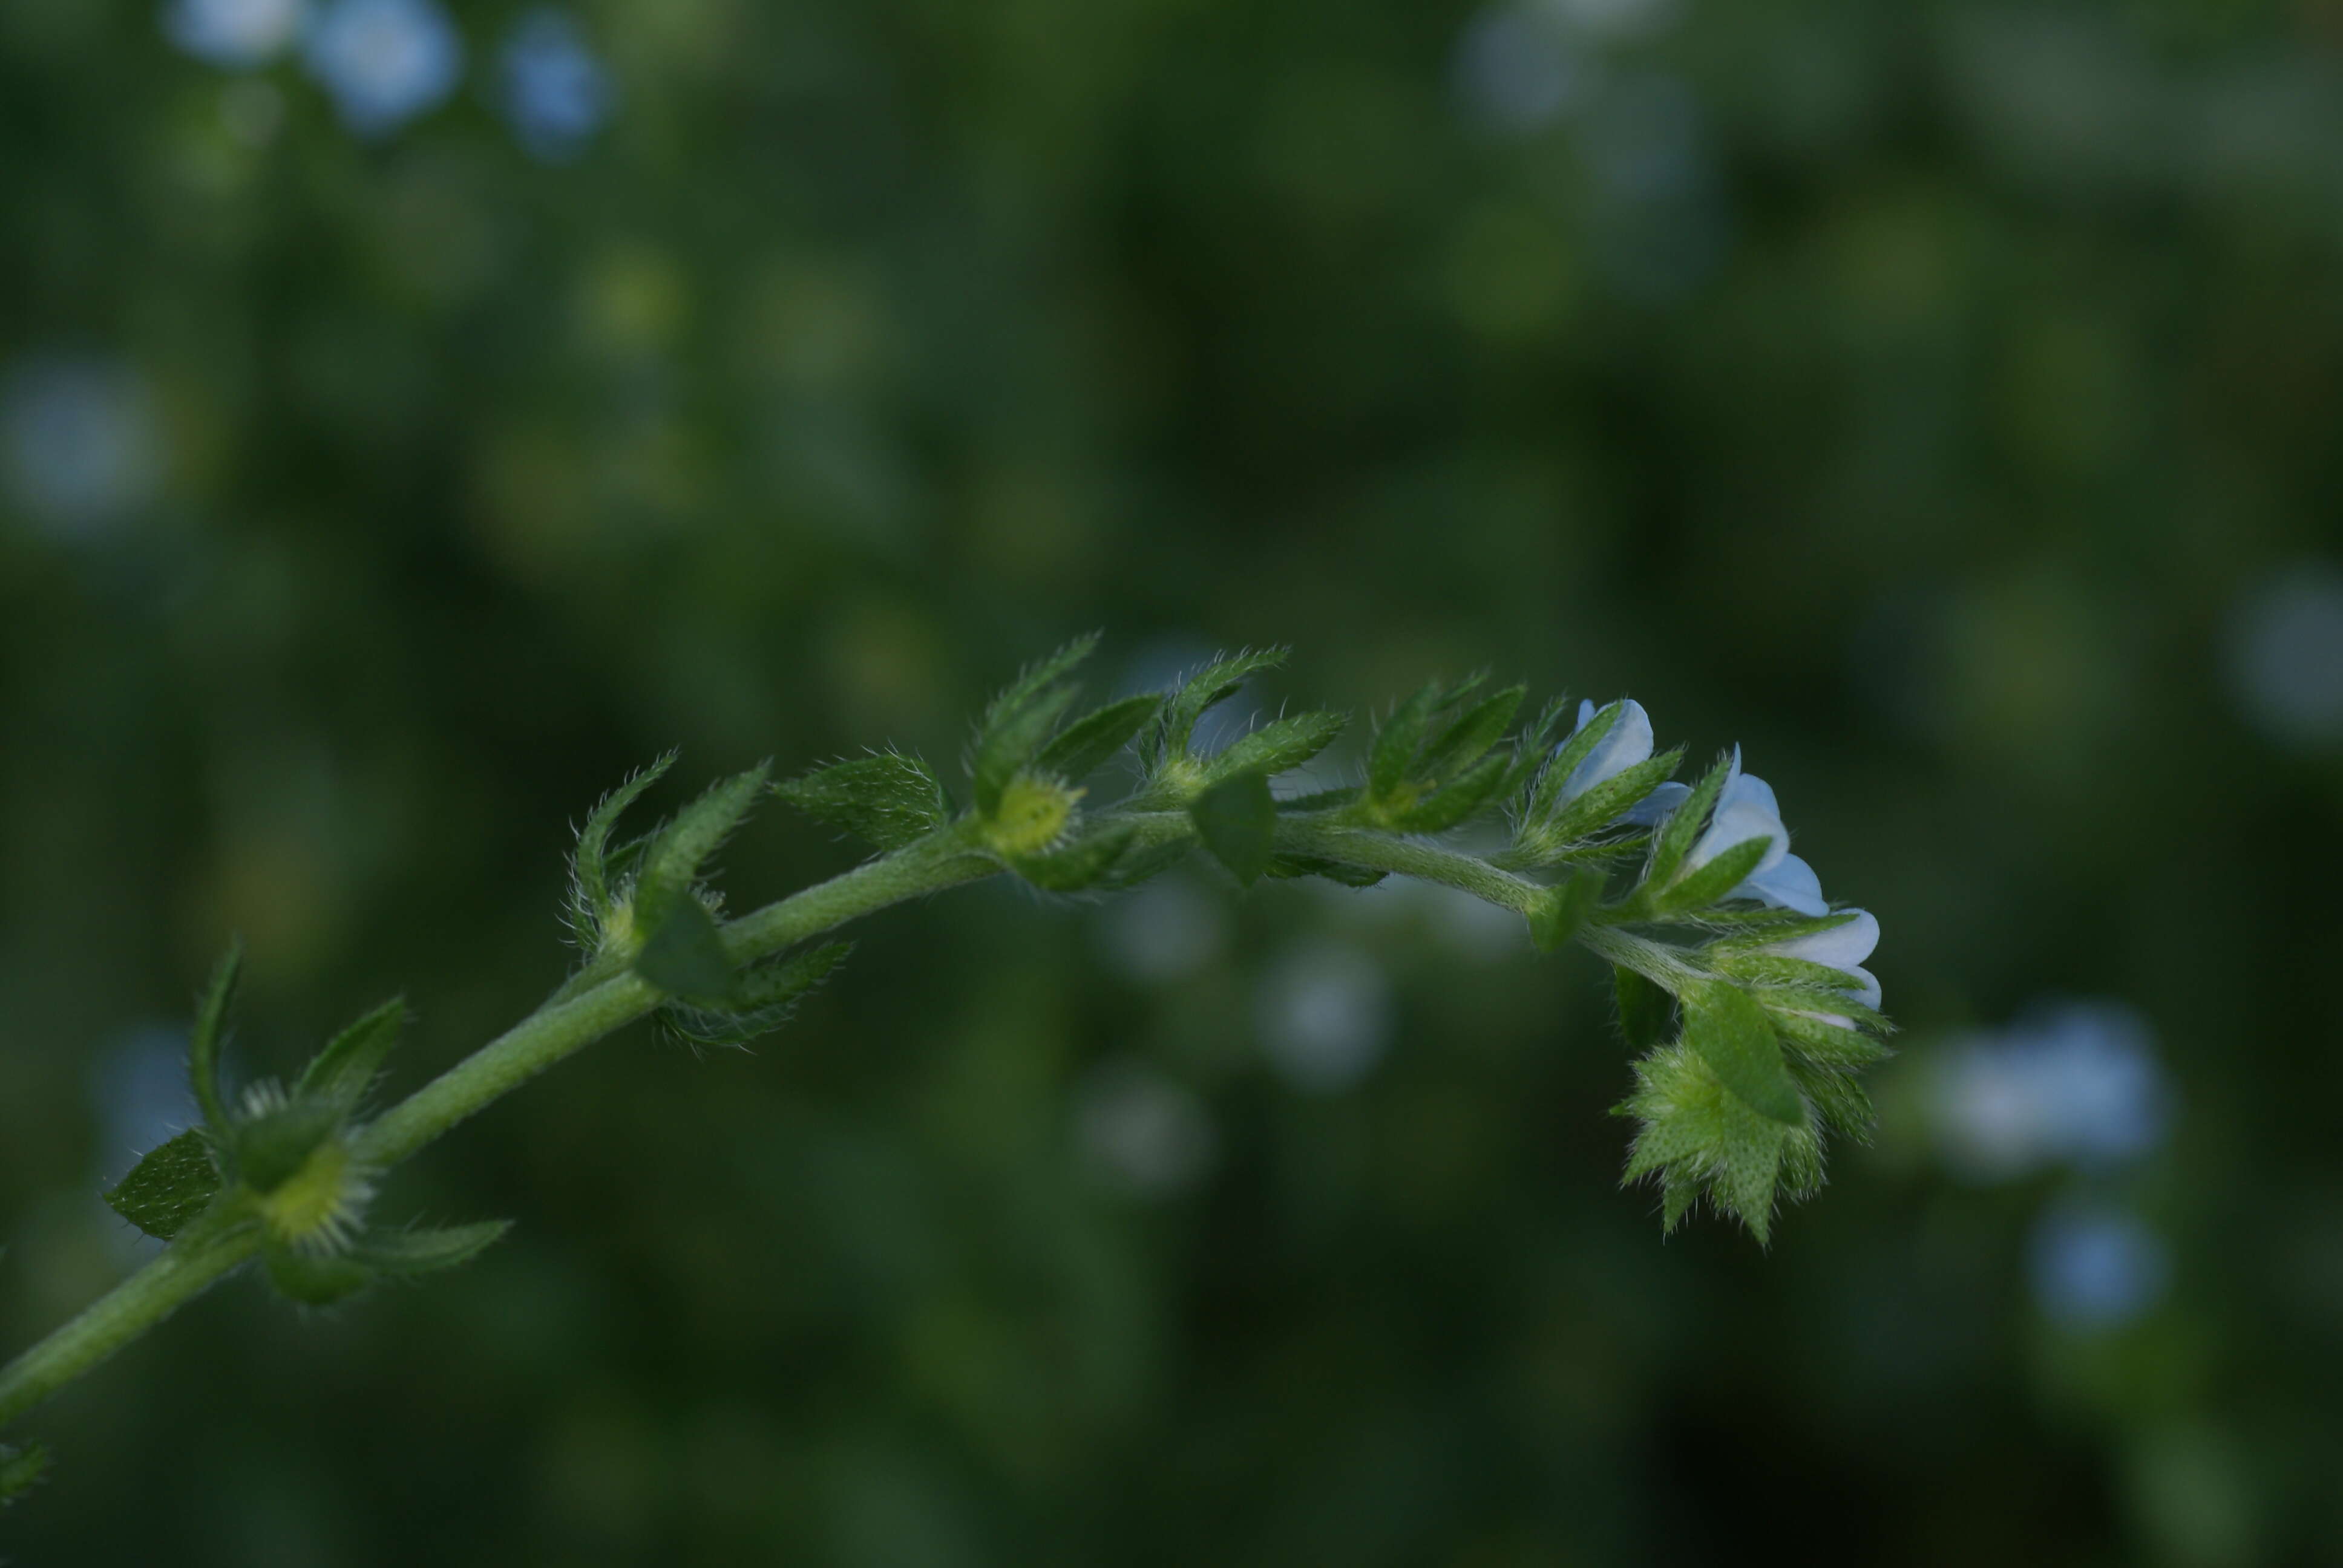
column 81, row 446
column 384, row 61
column 1325, row 1016
column 1515, row 69
column 2096, row 1268
column 2286, row 656
column 556, row 91
column 1150, row 1133
column 233, row 33
column 2077, row 1082
column 1162, row 931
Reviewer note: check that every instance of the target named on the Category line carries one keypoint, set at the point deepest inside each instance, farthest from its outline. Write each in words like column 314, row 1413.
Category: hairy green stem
column 206, row 1252
column 212, row 1247
column 605, row 998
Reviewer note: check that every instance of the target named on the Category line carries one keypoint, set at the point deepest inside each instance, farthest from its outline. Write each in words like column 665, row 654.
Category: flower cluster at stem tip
column 1740, row 988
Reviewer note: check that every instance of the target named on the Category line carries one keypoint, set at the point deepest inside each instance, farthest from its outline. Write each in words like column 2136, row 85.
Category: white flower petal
column 1788, row 884
column 1737, row 822
column 1628, row 743
column 1866, row 987
column 1654, row 808
column 1841, row 947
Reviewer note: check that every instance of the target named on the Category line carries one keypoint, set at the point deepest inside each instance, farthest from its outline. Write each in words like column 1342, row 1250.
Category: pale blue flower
column 556, row 90
column 1843, row 948
column 2096, row 1268
column 1628, row 744
column 235, row 33
column 1746, row 809
column 384, row 61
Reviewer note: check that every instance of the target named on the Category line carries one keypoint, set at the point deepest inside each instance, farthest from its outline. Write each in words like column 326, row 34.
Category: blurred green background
column 411, row 419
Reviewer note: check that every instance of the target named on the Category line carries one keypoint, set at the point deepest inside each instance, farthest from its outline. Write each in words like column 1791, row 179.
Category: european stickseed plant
column 1739, row 986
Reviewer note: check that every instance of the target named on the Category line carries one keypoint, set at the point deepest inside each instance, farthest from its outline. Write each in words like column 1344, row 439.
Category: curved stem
column 213, row 1246
column 208, row 1250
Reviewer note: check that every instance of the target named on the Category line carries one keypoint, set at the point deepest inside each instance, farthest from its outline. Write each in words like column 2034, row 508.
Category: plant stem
column 209, row 1248
column 1408, row 857
column 213, row 1246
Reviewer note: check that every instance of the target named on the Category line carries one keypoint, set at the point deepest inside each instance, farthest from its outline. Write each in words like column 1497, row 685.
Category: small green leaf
column 313, row 1279
column 426, row 1250
column 1079, row 865
column 1090, row 742
column 1733, row 1035
column 1280, row 744
column 1678, row 833
column 767, row 999
column 1562, row 910
column 1019, row 721
column 21, row 1470
column 346, row 1069
column 267, row 1148
column 1581, row 745
column 1137, row 866
column 176, row 1182
column 1472, row 791
column 1468, row 739
column 1319, row 800
column 887, row 800
column 684, row 954
column 1348, row 875
column 1207, row 689
column 1397, row 741
column 1646, row 1011
column 1601, row 806
column 211, row 1035
column 1011, row 741
column 590, row 865
column 1531, row 748
column 1731, row 868
column 672, row 861
column 1237, row 820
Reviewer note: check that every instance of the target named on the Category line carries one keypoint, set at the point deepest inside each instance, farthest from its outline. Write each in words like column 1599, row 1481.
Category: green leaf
column 1006, row 747
column 176, row 1182
column 684, row 954
column 1473, row 789
column 1646, row 1010
column 346, row 1069
column 1602, row 805
column 887, row 800
column 1698, row 1135
column 1090, row 742
column 211, row 1034
column 1280, row 744
column 1288, row 865
column 672, row 861
column 1562, row 910
column 589, row 868
column 1319, row 800
column 1237, row 820
column 1397, row 741
column 1678, row 834
column 1019, row 721
column 1207, row 689
column 426, row 1250
column 1079, row 865
column 1468, row 739
column 1564, row 762
column 767, row 998
column 311, row 1278
column 1533, row 747
column 21, row 1470
column 267, row 1148
column 1733, row 1035
column 1730, row 869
